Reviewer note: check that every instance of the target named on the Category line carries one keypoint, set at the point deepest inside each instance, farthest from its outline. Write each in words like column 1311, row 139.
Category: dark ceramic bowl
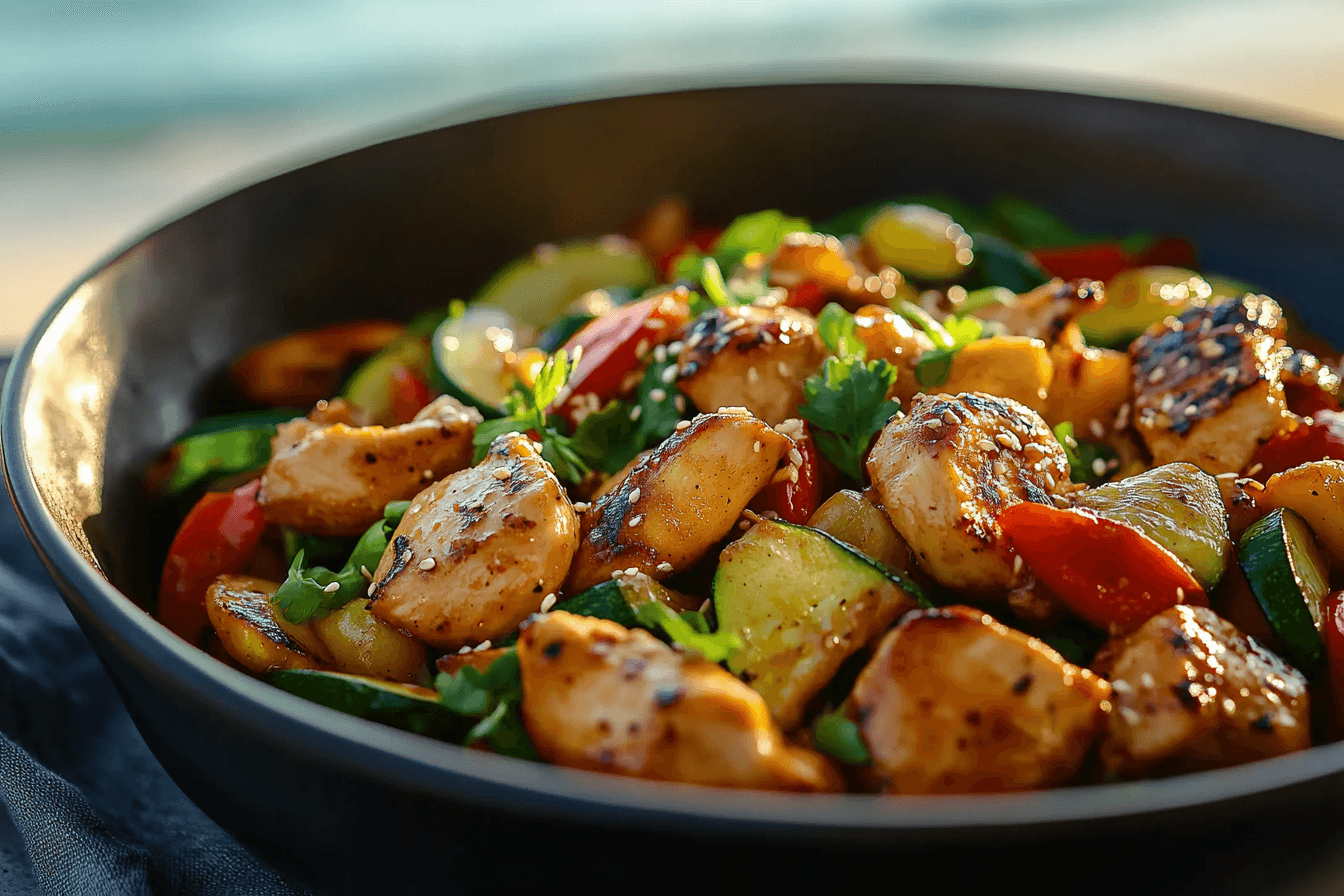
column 125, row 361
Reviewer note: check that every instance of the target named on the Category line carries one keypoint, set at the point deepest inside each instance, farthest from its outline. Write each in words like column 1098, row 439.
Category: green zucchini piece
column 558, row 333
column 539, row 288
column 469, row 353
column 403, row 706
column 370, row 386
column 210, row 455
column 605, row 600
column 1289, row 578
column 1180, row 507
column 801, row 602
column 1140, row 297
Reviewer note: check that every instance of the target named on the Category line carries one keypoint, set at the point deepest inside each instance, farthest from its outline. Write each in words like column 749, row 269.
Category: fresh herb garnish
column 935, row 366
column 847, row 403
column 1091, row 463
column 493, row 697
column 304, row 594
column 836, row 735
column 711, row 277
column 689, row 629
column 835, row 326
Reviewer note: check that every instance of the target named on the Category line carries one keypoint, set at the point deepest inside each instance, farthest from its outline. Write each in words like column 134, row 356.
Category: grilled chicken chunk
column 678, row 501
column 954, row 702
column 751, row 357
column 887, row 335
column 254, row 633
column 1016, row 367
column 946, row 471
column 1191, row 692
column 1046, row 312
column 823, row 262
column 299, row 369
column 1207, row 386
column 336, row 479
column 602, row 697
column 478, row 552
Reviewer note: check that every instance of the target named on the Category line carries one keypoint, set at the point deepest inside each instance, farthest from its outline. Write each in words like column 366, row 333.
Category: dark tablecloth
column 88, row 810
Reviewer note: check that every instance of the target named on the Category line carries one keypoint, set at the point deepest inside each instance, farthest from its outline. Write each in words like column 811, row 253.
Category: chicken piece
column 954, row 702
column 1046, row 312
column 1016, row 367
column 601, row 697
column 609, row 484
column 251, row 631
column 887, row 335
column 1191, row 692
column 679, row 501
column 480, row 660
column 946, row 471
column 751, row 357
column 336, row 479
column 477, row 553
column 1089, row 387
column 1207, row 386
column 823, row 262
column 301, row 368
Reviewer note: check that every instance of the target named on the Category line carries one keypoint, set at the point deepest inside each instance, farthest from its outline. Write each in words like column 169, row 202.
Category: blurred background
column 114, row 115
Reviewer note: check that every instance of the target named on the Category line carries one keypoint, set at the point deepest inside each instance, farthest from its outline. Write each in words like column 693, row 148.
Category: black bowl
column 126, row 359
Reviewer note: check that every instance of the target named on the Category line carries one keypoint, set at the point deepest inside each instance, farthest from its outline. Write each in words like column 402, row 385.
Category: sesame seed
column 332, row 588
column 683, row 424
column 1231, row 374
column 795, row 457
column 415, row 508
column 464, row 649
column 427, row 563
column 406, row 556
column 1180, row 595
column 679, row 402
column 1168, row 402
column 1182, row 362
column 1147, row 680
column 664, row 567
column 1226, row 476
column 1191, row 410
column 950, row 418
column 784, row 369
column 1018, row 563
column 635, row 412
column 428, row 474
column 576, row 355
column 1049, row 481
column 372, row 588
column 655, row 323
column 753, row 377
column 1059, row 501
column 364, row 571
column 1130, row 716
column 1156, row 375
column 635, row 520
column 744, row 525
column 1255, row 469
column 985, row 445
column 675, row 348
column 669, row 374
column 933, row 424
column 658, row 394
column 547, row 602
column 1007, row 440
column 1210, row 348
column 1096, row 428
column 632, row 570
column 704, row 607
column 660, row 353
column 733, row 325
column 484, row 645
column 1000, row 468
column 756, row 447
column 581, row 506
column 641, row 348
column 1099, row 467
column 502, row 473
column 634, row 494
column 793, row 474
column 767, row 338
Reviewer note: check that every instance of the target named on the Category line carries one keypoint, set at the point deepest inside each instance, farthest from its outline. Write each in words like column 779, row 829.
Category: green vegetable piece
column 242, row 420
column 802, row 602
column 836, row 735
column 468, row 355
column 1091, row 463
column 1289, row 579
column 847, row 403
column 835, row 326
column 370, row 386
column 1032, row 227
column 319, row 550
column 558, row 333
column 712, row 280
column 492, row 697
column 935, row 366
column 1180, row 507
column 998, row 263
column 304, row 595
column 715, row 647
column 210, row 455
column 758, row 232
column 401, row 706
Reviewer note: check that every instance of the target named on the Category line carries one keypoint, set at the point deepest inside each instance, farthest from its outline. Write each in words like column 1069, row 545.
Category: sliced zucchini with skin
column 370, row 386
column 1289, row 578
column 801, row 602
column 1316, row 492
column 539, row 288
column 470, row 352
column 1176, row 505
column 406, row 706
column 850, row 517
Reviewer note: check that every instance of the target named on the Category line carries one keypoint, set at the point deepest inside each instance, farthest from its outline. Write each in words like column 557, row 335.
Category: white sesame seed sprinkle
column 642, row 348
column 674, row 348
column 1007, row 440
column 1228, row 476
column 1180, row 595
column 484, row 645
column 332, row 588
column 364, row 571
column 1049, row 481
column 664, row 567
column 1147, row 680
column 427, row 563
column 733, row 325
column 679, row 402
column 581, row 506
column 1018, row 563
column 635, row 412
column 784, row 369
column 427, row 474
column 793, row 474
column 1059, row 501
column 753, row 376
column 634, row 494
column 660, row 353
column 406, row 556
column 632, row 570
column 1168, row 402
column 1210, row 348
column 415, row 508
column 985, row 445
column 669, row 374
column 635, row 520
column 795, row 457
column 683, row 424
column 933, row 424
column 950, row 418
column 464, row 649
column 372, row 588
column 1191, row 410
column 1130, row 716
column 704, row 607
column 1096, row 428
column 756, row 447
column 658, row 395
column 1156, row 375
column 1255, row 469
column 547, row 602
column 1120, row 686
column 735, row 411
column 1099, row 466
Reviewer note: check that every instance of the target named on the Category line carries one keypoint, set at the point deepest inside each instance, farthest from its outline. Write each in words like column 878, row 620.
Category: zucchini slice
column 370, row 386
column 470, row 351
column 404, row 706
column 801, row 602
column 1289, row 578
column 1180, row 507
column 538, row 289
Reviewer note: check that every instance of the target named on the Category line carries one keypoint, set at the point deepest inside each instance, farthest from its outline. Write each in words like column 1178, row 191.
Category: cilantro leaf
column 304, row 594
column 835, row 326
column 847, row 404
column 715, row 647
column 835, row 734
column 492, row 697
column 935, row 366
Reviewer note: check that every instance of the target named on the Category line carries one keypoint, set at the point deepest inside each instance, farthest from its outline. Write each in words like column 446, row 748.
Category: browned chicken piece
column 480, row 660
column 1046, row 312
column 751, row 357
column 946, row 472
column 1239, row 498
column 822, row 261
column 1016, row 367
column 601, row 697
column 301, row 368
column 1090, row 386
column 887, row 335
column 254, row 633
column 662, row 228
column 679, row 501
column 954, row 702
column 477, row 553
column 612, row 482
column 1191, row 692
column 336, row 479
column 1206, row 384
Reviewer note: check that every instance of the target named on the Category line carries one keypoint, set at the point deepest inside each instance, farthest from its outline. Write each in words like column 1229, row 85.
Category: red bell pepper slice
column 808, row 296
column 409, row 393
column 795, row 502
column 1110, row 575
column 1100, row 261
column 1170, row 252
column 218, row 536
column 1332, row 633
column 1321, row 438
column 611, row 345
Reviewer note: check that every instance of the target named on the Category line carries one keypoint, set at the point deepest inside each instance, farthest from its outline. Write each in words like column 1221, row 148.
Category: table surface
column 115, row 115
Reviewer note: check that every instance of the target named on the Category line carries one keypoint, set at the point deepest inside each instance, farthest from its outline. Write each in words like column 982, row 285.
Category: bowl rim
column 426, row 766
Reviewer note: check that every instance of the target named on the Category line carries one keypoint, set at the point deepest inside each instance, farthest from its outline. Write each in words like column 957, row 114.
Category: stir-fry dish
column 921, row 499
